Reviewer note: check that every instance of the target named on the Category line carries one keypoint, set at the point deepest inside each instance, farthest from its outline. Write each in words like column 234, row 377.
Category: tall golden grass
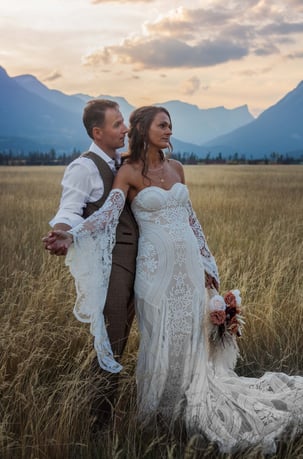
column 252, row 217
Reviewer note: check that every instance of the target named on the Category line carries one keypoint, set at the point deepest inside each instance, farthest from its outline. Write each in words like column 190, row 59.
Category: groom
column 86, row 184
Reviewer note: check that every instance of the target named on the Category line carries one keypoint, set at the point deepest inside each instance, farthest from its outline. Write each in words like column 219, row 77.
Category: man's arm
column 77, row 186
column 78, row 182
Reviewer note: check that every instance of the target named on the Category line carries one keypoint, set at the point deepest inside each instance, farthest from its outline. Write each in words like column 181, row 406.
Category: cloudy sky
column 209, row 52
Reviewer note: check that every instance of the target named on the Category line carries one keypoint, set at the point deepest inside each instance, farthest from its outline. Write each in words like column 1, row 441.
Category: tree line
column 51, row 158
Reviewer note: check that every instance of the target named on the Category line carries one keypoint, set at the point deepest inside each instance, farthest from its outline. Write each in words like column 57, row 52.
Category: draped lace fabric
column 176, row 372
column 89, row 260
column 237, row 412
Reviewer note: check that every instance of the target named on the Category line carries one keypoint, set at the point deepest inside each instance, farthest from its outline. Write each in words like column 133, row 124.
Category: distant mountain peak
column 278, row 129
column 180, row 102
column 106, row 96
column 27, row 80
column 27, row 76
column 3, row 72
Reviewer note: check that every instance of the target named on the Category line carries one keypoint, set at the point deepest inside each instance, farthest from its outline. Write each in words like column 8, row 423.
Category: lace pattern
column 169, row 299
column 208, row 259
column 238, row 412
column 89, row 260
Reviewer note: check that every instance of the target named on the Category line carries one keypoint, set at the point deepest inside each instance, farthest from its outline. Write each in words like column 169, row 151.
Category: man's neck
column 108, row 151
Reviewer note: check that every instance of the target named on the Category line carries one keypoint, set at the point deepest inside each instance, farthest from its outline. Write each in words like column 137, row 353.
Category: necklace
column 159, row 171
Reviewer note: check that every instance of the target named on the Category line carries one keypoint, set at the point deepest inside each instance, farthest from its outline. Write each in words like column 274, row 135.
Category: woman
column 176, row 375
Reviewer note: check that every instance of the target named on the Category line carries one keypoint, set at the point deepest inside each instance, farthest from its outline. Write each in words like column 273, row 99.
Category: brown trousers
column 119, row 308
column 119, row 313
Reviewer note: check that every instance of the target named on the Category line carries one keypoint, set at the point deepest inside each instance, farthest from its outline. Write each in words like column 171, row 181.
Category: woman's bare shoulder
column 130, row 167
column 175, row 164
column 131, row 172
column 178, row 167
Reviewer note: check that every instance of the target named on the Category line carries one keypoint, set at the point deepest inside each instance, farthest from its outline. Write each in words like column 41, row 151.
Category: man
column 86, row 184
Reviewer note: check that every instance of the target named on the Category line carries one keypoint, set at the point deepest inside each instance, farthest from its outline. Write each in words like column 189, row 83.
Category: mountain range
column 278, row 129
column 36, row 118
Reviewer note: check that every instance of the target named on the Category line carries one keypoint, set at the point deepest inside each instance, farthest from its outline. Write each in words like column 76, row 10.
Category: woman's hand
column 57, row 242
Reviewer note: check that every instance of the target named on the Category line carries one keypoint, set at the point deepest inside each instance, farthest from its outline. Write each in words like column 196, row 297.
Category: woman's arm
column 210, row 266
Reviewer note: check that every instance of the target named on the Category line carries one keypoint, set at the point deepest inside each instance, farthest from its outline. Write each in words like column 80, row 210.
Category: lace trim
column 89, row 260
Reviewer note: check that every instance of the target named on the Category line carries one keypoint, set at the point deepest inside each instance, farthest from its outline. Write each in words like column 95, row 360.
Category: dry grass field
column 252, row 217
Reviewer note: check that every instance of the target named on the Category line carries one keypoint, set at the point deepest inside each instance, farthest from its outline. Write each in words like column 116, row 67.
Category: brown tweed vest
column 125, row 250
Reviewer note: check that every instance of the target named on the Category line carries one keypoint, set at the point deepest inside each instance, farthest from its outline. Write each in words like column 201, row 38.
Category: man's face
column 112, row 134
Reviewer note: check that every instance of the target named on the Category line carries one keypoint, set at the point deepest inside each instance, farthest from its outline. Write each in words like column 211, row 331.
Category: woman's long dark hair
column 140, row 121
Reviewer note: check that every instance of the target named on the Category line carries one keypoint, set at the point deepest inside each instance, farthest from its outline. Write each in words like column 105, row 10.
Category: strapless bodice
column 154, row 198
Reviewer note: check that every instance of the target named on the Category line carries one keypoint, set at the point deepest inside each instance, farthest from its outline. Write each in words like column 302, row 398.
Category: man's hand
column 211, row 282
column 57, row 242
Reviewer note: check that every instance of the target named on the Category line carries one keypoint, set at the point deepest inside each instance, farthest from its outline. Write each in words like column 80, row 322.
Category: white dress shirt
column 81, row 184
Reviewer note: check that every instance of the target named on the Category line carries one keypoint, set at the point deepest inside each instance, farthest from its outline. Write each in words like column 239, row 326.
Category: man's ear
column 97, row 133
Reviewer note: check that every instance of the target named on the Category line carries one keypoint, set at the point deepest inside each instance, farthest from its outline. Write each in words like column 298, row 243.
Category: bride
column 178, row 374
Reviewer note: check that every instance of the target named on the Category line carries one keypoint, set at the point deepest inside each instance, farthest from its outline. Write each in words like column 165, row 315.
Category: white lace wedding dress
column 176, row 375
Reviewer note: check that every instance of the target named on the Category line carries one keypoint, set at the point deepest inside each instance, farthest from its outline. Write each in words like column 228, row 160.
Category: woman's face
column 160, row 131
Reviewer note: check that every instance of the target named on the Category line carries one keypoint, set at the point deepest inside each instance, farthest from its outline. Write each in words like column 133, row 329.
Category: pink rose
column 218, row 317
column 230, row 300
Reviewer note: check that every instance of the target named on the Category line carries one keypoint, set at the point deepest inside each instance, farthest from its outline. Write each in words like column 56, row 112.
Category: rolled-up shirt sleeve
column 81, row 184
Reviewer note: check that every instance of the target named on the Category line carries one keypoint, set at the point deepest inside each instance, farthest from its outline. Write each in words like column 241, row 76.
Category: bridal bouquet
column 225, row 316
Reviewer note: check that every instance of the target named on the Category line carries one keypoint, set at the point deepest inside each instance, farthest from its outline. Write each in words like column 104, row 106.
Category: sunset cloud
column 297, row 4
column 185, row 23
column 52, row 76
column 298, row 55
column 168, row 53
column 191, row 86
column 203, row 37
column 284, row 28
column 252, row 72
column 266, row 50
